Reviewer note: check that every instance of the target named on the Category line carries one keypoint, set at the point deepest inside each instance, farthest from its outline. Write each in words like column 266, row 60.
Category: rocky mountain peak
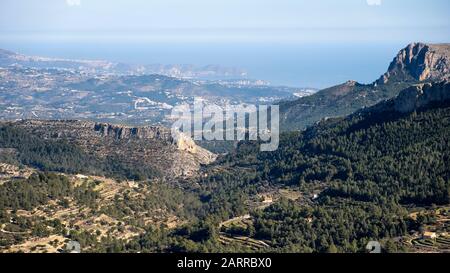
column 420, row 62
column 125, row 132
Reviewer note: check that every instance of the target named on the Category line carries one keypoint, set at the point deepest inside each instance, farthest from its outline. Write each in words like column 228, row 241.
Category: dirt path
column 2, row 229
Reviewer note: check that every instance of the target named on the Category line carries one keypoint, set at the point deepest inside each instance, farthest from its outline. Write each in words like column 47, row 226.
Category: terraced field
column 108, row 216
column 432, row 245
column 229, row 235
column 439, row 225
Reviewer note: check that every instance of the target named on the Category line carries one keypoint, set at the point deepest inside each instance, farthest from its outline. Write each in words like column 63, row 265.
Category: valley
column 356, row 163
column 90, row 90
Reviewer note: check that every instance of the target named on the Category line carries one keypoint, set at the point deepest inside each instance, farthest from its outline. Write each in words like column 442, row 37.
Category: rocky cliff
column 422, row 95
column 415, row 64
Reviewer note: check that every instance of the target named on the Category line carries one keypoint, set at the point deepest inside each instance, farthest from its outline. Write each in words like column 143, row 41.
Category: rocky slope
column 145, row 146
column 8, row 58
column 417, row 63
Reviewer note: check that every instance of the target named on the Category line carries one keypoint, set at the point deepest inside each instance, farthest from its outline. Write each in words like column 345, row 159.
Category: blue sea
column 294, row 64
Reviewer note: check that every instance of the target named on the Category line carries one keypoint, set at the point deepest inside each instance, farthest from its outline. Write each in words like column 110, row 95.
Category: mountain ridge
column 416, row 63
column 98, row 66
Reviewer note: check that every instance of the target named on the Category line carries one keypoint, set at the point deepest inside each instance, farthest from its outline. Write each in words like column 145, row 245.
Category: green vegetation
column 369, row 168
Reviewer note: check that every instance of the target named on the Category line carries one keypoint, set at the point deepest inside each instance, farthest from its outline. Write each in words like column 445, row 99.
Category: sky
column 315, row 43
column 231, row 20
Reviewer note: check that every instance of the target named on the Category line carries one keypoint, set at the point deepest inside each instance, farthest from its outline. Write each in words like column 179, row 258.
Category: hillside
column 103, row 149
column 97, row 67
column 346, row 181
column 414, row 64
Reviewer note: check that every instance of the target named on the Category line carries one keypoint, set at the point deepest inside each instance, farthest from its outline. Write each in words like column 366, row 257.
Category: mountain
column 44, row 93
column 416, row 63
column 114, row 150
column 379, row 174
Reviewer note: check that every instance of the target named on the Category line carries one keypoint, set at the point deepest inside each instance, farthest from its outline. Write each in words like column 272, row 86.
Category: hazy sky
column 397, row 20
column 294, row 42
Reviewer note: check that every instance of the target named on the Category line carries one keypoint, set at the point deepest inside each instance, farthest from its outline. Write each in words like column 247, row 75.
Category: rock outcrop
column 422, row 95
column 181, row 141
column 416, row 64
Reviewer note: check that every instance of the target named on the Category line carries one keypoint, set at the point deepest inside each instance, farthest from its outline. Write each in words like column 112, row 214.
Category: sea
column 313, row 64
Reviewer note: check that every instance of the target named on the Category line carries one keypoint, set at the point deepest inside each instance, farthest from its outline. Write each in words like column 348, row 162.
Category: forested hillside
column 380, row 174
column 369, row 168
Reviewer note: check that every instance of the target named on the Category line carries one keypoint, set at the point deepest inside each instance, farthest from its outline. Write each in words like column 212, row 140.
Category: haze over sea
column 294, row 64
column 287, row 42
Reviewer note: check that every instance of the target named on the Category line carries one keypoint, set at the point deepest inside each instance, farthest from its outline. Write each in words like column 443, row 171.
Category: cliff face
column 421, row 62
column 155, row 147
column 415, row 64
column 124, row 132
column 180, row 141
column 421, row 95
